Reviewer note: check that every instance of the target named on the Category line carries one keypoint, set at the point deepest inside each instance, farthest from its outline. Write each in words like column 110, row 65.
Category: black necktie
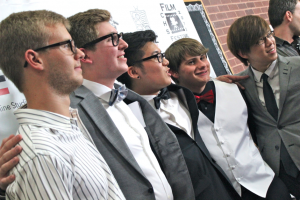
column 164, row 94
column 270, row 101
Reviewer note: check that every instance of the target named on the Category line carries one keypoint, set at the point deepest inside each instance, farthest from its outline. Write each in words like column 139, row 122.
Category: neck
column 195, row 88
column 92, row 73
column 108, row 82
column 284, row 32
column 144, row 90
column 48, row 101
column 261, row 67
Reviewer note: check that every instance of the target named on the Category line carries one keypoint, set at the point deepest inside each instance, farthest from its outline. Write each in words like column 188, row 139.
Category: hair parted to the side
column 20, row 32
column 136, row 41
column 180, row 49
column 277, row 10
column 240, row 39
column 83, row 26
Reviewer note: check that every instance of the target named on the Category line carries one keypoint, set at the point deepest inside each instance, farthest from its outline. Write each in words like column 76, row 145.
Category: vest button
column 150, row 190
column 276, row 147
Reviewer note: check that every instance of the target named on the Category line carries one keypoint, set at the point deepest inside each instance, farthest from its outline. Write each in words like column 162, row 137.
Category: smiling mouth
column 201, row 73
column 121, row 56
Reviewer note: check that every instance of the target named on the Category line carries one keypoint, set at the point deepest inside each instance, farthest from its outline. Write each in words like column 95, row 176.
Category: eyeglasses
column 68, row 45
column 115, row 38
column 263, row 40
column 159, row 56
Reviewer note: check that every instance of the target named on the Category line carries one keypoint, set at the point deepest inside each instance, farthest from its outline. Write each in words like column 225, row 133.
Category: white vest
column 230, row 143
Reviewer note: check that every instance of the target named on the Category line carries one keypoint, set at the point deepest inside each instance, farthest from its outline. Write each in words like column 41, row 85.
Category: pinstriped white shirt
column 59, row 161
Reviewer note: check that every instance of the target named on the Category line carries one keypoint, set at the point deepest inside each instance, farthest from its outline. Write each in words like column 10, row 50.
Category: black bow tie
column 164, row 94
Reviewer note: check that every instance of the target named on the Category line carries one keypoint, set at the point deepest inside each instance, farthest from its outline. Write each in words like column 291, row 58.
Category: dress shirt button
column 150, row 190
column 232, row 167
column 227, row 154
column 221, row 142
column 276, row 147
column 217, row 129
column 238, row 179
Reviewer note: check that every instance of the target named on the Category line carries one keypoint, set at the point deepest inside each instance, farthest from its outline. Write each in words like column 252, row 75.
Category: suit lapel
column 284, row 76
column 104, row 123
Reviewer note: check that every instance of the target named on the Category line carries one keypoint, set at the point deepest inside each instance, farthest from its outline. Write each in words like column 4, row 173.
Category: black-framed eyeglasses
column 159, row 56
column 115, row 38
column 263, row 40
column 69, row 45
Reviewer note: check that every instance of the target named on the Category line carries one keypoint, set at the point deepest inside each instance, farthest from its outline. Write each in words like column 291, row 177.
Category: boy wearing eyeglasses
column 141, row 151
column 59, row 159
column 272, row 94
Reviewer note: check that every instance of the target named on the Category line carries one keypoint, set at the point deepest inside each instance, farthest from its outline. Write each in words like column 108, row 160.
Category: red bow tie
column 208, row 97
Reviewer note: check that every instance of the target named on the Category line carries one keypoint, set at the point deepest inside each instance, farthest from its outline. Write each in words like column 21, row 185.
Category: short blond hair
column 20, row 32
column 83, row 25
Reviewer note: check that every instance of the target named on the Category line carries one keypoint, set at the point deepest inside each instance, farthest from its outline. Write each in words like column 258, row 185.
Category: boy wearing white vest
column 222, row 123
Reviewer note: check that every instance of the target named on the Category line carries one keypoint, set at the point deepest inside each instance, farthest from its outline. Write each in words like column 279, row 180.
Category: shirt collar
column 45, row 118
column 98, row 89
column 148, row 97
column 280, row 41
column 270, row 72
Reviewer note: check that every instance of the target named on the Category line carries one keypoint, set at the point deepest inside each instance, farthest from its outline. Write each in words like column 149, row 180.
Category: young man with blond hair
column 141, row 151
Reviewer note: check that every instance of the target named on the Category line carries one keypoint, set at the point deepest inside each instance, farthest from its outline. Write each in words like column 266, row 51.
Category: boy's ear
column 174, row 74
column 86, row 58
column 133, row 72
column 33, row 59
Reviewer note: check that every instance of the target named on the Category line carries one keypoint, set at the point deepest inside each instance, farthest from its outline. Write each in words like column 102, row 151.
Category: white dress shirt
column 59, row 161
column 273, row 80
column 173, row 112
column 136, row 138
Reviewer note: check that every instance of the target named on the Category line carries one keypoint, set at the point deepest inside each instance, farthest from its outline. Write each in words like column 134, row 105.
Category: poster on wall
column 169, row 19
